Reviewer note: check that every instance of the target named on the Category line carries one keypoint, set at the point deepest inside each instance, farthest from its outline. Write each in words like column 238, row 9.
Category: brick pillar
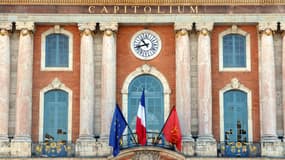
column 206, row 144
column 183, row 88
column 22, row 143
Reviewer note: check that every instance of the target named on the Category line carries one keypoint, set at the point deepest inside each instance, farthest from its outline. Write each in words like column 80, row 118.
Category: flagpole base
column 188, row 146
column 206, row 146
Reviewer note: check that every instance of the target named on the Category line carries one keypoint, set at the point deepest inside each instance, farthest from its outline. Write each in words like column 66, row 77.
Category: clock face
column 146, row 44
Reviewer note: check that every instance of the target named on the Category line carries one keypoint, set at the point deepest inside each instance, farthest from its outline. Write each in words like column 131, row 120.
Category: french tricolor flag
column 141, row 125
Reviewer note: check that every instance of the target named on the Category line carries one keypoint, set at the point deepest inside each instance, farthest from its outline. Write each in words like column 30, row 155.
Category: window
column 56, row 50
column 153, row 101
column 55, row 115
column 234, row 50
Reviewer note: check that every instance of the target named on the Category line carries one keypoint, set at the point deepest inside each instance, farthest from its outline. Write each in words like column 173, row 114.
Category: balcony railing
column 53, row 149
column 239, row 149
column 153, row 139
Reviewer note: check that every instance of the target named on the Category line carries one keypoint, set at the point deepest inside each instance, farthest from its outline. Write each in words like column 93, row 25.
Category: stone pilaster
column 86, row 141
column 206, row 144
column 183, row 88
column 4, row 85
column 108, row 94
column 21, row 145
column 268, row 91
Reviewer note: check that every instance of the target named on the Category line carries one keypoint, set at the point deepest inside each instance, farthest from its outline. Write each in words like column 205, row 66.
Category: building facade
column 65, row 64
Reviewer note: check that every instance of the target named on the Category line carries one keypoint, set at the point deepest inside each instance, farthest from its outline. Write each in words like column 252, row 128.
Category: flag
column 116, row 131
column 172, row 131
column 140, row 124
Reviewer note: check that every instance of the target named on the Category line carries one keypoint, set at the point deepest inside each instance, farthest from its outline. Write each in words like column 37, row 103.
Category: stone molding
column 205, row 25
column 142, row 2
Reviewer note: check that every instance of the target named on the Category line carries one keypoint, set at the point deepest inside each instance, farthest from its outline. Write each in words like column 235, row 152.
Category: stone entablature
column 142, row 2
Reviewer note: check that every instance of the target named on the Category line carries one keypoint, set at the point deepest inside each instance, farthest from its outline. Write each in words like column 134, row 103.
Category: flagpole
column 158, row 137
column 128, row 126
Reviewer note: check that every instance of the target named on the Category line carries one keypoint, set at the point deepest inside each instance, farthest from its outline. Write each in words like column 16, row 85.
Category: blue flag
column 116, row 131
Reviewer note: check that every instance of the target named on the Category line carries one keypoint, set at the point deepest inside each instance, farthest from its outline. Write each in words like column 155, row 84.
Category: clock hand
column 145, row 44
column 138, row 46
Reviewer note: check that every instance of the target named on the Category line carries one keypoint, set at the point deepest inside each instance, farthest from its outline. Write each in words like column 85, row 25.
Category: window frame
column 56, row 30
column 235, row 30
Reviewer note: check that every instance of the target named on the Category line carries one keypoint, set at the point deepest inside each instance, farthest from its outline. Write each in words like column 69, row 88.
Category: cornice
column 143, row 2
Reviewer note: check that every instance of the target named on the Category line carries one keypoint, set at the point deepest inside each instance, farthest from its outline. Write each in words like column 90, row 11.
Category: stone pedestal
column 92, row 149
column 272, row 149
column 85, row 148
column 21, row 148
column 206, row 147
column 188, row 147
column 4, row 148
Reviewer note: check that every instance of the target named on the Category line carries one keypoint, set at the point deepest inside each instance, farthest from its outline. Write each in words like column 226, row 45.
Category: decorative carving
column 88, row 26
column 56, row 84
column 24, row 32
column 182, row 32
column 108, row 32
column 3, row 32
column 112, row 26
column 25, row 25
column 182, row 26
column 146, row 155
column 56, row 28
column 205, row 26
column 234, row 28
column 267, row 27
column 235, row 84
column 146, row 68
column 6, row 26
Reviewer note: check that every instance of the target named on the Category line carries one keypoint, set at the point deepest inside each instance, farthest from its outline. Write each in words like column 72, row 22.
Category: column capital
column 113, row 26
column 182, row 26
column 86, row 28
column 25, row 27
column 4, row 28
column 204, row 27
column 267, row 27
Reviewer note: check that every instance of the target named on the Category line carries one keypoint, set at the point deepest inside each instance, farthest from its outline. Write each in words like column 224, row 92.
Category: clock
column 145, row 44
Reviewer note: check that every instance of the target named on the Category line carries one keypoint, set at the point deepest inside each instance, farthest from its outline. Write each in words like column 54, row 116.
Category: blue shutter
column 57, row 50
column 235, row 116
column 234, row 50
column 56, row 114
column 154, row 102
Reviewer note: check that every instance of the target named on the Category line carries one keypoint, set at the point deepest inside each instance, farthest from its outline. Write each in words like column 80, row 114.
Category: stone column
column 283, row 76
column 22, row 142
column 268, row 90
column 108, row 75
column 183, row 88
column 86, row 139
column 5, row 86
column 206, row 144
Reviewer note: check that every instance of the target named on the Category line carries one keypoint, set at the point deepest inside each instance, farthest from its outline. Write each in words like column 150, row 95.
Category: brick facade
column 42, row 78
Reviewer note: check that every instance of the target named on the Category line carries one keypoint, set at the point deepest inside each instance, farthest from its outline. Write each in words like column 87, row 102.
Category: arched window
column 57, row 50
column 234, row 51
column 235, row 116
column 154, row 99
column 55, row 126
